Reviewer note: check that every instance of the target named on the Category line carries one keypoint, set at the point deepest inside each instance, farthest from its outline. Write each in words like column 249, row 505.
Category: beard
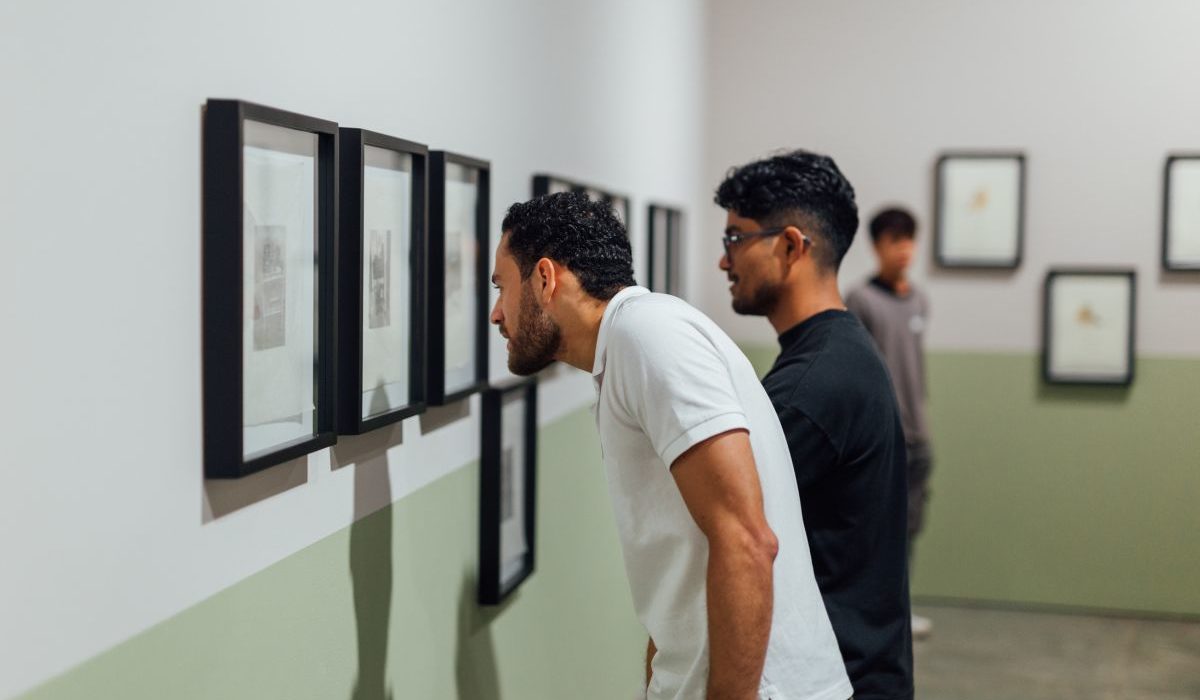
column 760, row 302
column 537, row 339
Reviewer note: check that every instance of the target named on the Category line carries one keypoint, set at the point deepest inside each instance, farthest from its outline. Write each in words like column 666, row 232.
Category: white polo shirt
column 668, row 378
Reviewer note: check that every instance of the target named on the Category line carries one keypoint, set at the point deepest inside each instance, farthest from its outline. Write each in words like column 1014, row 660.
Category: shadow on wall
column 475, row 658
column 371, row 551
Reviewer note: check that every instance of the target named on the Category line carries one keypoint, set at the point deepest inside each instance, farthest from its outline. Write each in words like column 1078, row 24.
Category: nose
column 497, row 317
column 723, row 262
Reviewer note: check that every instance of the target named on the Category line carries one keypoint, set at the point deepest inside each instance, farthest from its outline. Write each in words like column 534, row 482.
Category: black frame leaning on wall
column 491, row 589
column 222, row 277
column 1048, row 374
column 1168, row 263
column 435, row 357
column 350, row 331
column 939, row 234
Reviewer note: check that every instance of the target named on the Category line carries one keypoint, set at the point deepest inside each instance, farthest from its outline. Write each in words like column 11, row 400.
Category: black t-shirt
column 836, row 404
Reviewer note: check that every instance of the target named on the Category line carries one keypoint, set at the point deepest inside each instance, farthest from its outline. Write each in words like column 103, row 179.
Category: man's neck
column 580, row 333
column 799, row 304
column 897, row 280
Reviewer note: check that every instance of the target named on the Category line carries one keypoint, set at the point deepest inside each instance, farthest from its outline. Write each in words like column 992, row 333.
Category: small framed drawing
column 1181, row 213
column 1088, row 334
column 270, row 224
column 507, row 490
column 980, row 210
column 664, row 246
column 381, row 254
column 459, row 196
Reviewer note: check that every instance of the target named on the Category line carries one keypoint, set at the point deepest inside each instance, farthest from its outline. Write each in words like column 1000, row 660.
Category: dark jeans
column 920, row 464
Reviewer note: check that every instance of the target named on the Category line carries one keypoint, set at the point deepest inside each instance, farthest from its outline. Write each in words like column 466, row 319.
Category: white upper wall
column 1095, row 93
column 106, row 525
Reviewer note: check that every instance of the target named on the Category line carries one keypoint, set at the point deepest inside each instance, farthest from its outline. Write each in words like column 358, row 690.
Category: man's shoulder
column 842, row 366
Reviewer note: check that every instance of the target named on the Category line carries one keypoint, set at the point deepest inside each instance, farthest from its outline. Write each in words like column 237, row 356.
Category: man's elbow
column 756, row 543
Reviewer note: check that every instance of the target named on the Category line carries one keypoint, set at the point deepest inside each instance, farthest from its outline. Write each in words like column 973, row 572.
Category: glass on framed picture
column 1181, row 225
column 1089, row 326
column 979, row 215
column 279, row 320
column 513, row 543
column 386, row 265
column 461, row 290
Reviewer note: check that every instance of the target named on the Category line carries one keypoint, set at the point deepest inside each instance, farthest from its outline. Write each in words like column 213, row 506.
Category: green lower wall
column 1076, row 497
column 1079, row 496
column 385, row 609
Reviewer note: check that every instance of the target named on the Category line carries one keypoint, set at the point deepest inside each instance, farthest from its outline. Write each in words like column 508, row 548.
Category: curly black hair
column 894, row 220
column 791, row 187
column 584, row 236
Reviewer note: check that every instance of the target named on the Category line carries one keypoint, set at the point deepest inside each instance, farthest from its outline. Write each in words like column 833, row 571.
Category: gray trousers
column 920, row 464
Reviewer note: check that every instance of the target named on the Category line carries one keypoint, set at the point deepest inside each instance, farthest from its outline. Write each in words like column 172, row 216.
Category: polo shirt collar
column 606, row 320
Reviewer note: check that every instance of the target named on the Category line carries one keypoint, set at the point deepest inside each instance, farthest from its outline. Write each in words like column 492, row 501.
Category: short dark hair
column 893, row 220
column 572, row 230
column 775, row 191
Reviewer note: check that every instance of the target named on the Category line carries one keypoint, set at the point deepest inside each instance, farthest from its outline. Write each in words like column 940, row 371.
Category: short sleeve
column 857, row 306
column 811, row 449
column 674, row 382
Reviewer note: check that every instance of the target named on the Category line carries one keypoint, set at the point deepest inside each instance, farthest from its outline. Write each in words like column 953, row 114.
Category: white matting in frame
column 1181, row 237
column 462, row 250
column 1089, row 327
column 279, row 286
column 513, row 543
column 386, row 264
column 979, row 217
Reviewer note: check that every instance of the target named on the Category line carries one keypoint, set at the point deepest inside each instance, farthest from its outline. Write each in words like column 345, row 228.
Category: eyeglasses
column 731, row 239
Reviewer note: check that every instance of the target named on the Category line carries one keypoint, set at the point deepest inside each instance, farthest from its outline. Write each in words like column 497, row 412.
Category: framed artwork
column 548, row 184
column 507, row 490
column 269, row 251
column 1088, row 335
column 381, row 343
column 980, row 210
column 459, row 193
column 664, row 245
column 1181, row 213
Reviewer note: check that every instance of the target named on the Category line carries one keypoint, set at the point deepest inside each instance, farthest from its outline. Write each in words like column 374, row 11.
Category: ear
column 545, row 279
column 794, row 247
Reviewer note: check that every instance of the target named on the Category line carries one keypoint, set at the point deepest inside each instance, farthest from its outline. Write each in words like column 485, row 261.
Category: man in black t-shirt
column 790, row 220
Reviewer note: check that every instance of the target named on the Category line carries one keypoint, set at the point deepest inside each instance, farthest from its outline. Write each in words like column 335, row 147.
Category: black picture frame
column 1054, row 375
column 666, row 243
column 545, row 183
column 350, row 305
column 222, row 278
column 493, row 587
column 1170, row 262
column 945, row 259
column 436, row 392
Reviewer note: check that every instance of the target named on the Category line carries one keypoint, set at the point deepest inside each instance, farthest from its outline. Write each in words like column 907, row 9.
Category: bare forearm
column 740, row 601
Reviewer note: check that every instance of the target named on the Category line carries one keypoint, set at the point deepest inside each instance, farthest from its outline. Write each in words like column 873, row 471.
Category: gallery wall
column 1063, row 496
column 1091, row 93
column 106, row 525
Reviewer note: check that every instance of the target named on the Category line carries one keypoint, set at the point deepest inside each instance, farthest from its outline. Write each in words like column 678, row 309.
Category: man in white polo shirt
column 699, row 471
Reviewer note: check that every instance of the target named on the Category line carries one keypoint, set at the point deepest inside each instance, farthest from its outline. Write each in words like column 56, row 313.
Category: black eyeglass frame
column 731, row 239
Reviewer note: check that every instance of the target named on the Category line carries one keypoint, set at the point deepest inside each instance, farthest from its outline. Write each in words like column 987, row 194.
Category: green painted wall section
column 1073, row 496
column 385, row 609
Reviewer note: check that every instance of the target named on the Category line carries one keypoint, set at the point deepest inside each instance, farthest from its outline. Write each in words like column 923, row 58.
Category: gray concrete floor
column 982, row 654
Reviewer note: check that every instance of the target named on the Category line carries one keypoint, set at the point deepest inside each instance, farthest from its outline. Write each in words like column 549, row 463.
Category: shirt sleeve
column 856, row 306
column 811, row 449
column 675, row 384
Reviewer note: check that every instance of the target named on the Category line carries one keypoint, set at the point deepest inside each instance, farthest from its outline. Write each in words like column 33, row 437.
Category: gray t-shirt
column 897, row 323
